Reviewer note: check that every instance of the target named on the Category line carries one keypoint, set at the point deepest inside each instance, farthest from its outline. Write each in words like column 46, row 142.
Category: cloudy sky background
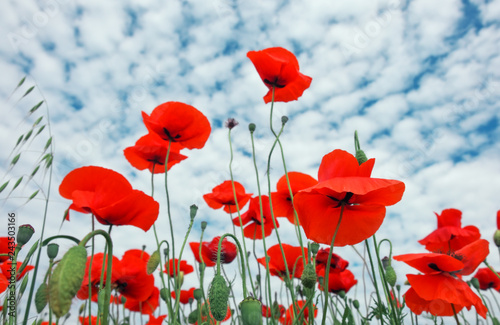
column 420, row 81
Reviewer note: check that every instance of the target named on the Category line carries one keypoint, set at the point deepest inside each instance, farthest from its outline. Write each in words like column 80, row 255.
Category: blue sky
column 420, row 84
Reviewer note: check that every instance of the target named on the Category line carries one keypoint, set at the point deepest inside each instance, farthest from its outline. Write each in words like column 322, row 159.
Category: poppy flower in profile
column 344, row 184
column 222, row 196
column 179, row 122
column 289, row 318
column 449, row 235
column 209, row 251
column 185, row 268
column 279, row 68
column 487, row 279
column 294, row 260
column 438, row 290
column 337, row 281
column 253, row 219
column 156, row 320
column 337, row 263
column 147, row 306
column 109, row 197
column 85, row 320
column 184, row 296
column 282, row 202
column 150, row 151
column 6, row 266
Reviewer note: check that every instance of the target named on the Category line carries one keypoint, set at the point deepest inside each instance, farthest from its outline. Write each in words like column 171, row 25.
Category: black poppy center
column 344, row 201
column 170, row 137
column 274, row 83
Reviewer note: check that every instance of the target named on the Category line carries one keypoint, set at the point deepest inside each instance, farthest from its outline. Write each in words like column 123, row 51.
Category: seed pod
column 218, row 296
column 67, row 280
column 251, row 127
column 197, row 294
column 153, row 262
column 361, row 156
column 355, row 303
column 251, row 311
column 308, row 277
column 52, row 250
column 41, row 297
column 24, row 234
column 193, row 316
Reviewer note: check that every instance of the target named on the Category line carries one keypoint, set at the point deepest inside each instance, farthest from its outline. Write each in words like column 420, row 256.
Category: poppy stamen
column 170, row 137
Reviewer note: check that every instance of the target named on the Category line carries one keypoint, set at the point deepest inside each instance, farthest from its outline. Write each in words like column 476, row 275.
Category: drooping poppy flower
column 254, row 219
column 209, row 251
column 222, row 196
column 179, row 122
column 6, row 248
column 345, row 185
column 150, row 152
column 185, row 295
column 7, row 266
column 282, row 202
column 294, row 260
column 94, row 320
column 185, row 268
column 438, row 288
column 156, row 320
column 337, row 281
column 449, row 235
column 487, row 279
column 109, row 196
column 337, row 263
column 279, row 68
column 147, row 306
column 288, row 318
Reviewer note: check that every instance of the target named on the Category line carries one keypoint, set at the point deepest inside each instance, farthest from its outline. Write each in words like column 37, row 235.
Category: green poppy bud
column 341, row 294
column 496, row 238
column 251, row 127
column 390, row 275
column 355, row 303
column 153, row 262
column 192, row 211
column 24, row 234
column 284, row 119
column 193, row 316
column 197, row 294
column 203, row 225
column 309, row 277
column 386, row 262
column 218, row 296
column 360, row 156
column 251, row 311
column 314, row 248
column 52, row 250
column 475, row 283
column 164, row 294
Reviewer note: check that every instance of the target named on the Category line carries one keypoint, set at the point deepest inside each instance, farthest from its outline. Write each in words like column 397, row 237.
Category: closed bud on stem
column 179, row 280
column 251, row 127
column 192, row 211
column 153, row 262
column 475, row 283
column 314, row 248
column 355, row 303
column 386, row 262
column 52, row 250
column 309, row 277
column 203, row 225
column 197, row 294
column 218, row 296
column 284, row 119
column 390, row 275
column 496, row 238
column 164, row 294
column 341, row 294
column 24, row 234
column 251, row 311
column 361, row 156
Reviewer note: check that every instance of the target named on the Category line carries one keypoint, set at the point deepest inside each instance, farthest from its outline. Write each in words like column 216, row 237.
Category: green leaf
column 37, row 106
column 17, row 183
column 41, row 297
column 16, row 159
column 28, row 91
column 4, row 185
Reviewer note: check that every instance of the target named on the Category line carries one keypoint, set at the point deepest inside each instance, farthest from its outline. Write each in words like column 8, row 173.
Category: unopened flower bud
column 475, row 283
column 355, row 303
column 251, row 127
column 197, row 294
column 390, row 275
column 251, row 311
column 308, row 277
column 218, row 296
column 203, row 225
column 164, row 294
column 231, row 123
column 192, row 211
column 386, row 262
column 165, row 252
column 496, row 238
column 193, row 316
column 284, row 119
column 24, row 234
column 341, row 294
column 52, row 250
column 361, row 156
column 314, row 248
column 153, row 262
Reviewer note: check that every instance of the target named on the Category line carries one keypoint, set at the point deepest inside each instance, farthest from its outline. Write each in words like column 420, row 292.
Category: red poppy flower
column 4, row 283
column 185, row 268
column 179, row 122
column 209, row 251
column 254, row 220
column 147, row 306
column 288, row 318
column 279, row 68
column 150, row 152
column 282, row 203
column 487, row 279
column 343, row 182
column 438, row 288
column 449, row 235
column 337, row 263
column 222, row 196
column 498, row 219
column 85, row 321
column 184, row 296
column 47, row 323
column 208, row 318
column 280, row 311
column 5, row 248
column 109, row 196
column 156, row 320
column 294, row 260
column 337, row 281
column 6, row 267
